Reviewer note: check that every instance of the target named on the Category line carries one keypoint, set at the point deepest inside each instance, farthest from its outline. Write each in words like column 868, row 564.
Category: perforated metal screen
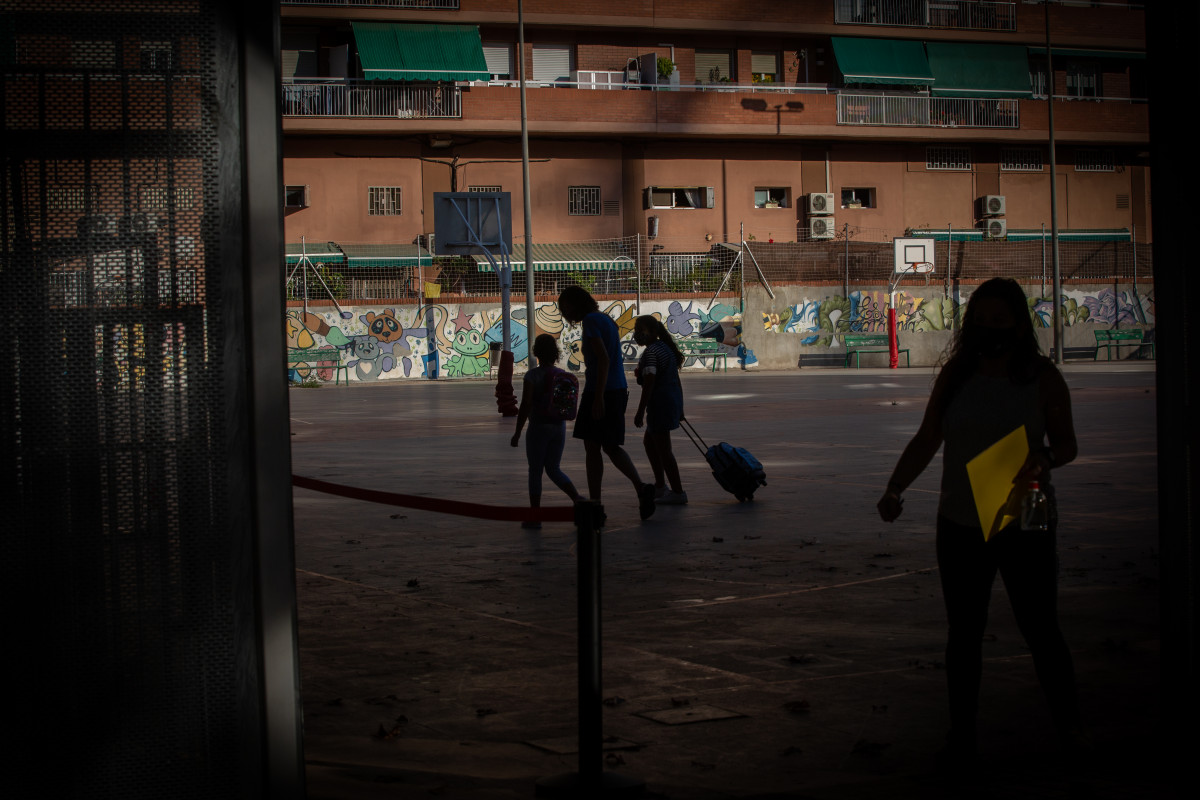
column 128, row 558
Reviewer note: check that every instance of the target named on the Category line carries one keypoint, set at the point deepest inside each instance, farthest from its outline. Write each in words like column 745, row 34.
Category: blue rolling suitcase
column 738, row 472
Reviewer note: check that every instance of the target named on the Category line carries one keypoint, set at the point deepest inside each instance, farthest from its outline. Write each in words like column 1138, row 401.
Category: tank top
column 984, row 410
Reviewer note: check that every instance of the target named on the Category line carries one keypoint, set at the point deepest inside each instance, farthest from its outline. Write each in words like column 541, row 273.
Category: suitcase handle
column 684, row 425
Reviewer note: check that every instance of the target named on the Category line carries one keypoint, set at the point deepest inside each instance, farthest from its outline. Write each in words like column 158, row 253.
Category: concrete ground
column 790, row 647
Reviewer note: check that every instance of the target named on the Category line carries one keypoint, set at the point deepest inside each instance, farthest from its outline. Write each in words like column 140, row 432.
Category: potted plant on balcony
column 668, row 72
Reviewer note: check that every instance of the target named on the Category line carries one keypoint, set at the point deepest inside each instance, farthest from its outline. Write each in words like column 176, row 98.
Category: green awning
column 386, row 255
column 1100, row 55
column 561, row 258
column 323, row 252
column 886, row 61
column 979, row 70
column 414, row 52
column 1033, row 234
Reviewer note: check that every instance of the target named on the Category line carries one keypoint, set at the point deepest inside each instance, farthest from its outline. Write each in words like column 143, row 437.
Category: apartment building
column 699, row 119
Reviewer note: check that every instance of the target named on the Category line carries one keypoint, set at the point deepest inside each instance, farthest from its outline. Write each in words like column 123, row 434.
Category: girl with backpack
column 661, row 405
column 546, row 403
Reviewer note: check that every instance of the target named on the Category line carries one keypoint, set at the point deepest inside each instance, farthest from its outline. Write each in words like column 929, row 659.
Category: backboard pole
column 530, row 284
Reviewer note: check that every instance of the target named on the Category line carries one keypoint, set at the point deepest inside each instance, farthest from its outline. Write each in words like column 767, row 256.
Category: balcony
column 921, row 111
column 954, row 14
column 338, row 98
column 421, row 4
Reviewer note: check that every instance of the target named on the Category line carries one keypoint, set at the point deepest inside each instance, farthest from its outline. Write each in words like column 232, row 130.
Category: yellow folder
column 997, row 499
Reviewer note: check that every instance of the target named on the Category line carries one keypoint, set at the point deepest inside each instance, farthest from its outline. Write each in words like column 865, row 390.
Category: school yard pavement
column 790, row 647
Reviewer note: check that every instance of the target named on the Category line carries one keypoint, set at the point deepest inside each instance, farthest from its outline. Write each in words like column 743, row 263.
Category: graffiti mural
column 454, row 341
column 817, row 321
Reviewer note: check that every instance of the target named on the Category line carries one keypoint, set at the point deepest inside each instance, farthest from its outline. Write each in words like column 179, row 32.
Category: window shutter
column 551, row 63
column 499, row 58
column 764, row 62
column 707, row 61
column 289, row 59
column 711, row 198
column 648, row 197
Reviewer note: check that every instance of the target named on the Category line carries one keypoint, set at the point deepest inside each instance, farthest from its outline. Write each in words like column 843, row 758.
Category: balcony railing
column 430, row 4
column 960, row 14
column 927, row 112
column 371, row 99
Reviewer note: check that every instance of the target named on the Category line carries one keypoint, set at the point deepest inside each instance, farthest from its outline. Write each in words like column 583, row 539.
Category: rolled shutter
column 499, row 58
column 551, row 63
column 767, row 63
column 708, row 60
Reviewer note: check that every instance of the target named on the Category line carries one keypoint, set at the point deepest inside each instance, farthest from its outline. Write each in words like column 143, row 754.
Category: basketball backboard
column 469, row 223
column 913, row 256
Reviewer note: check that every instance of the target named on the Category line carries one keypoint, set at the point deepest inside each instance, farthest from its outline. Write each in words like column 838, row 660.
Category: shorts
column 665, row 410
column 609, row 430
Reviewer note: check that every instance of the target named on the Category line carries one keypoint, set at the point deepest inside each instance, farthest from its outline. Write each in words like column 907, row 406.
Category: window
column 384, row 201
column 714, row 66
column 1083, row 79
column 1095, row 161
column 73, row 198
column 858, row 198
column 771, row 197
column 764, row 67
column 487, row 189
column 583, row 201
column 553, row 63
column 295, row 197
column 499, row 58
column 156, row 56
column 955, row 158
column 680, row 197
column 153, row 197
column 1021, row 159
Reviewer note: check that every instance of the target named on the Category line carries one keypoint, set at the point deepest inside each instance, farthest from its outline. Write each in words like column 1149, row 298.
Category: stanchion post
column 590, row 780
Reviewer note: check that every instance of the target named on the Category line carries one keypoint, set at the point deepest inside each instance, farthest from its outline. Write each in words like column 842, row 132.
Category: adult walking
column 995, row 379
column 601, row 419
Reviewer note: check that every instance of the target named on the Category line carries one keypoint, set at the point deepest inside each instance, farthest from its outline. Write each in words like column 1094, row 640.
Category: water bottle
column 1035, row 509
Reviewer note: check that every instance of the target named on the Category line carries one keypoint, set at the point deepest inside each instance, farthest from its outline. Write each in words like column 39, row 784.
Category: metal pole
column 638, row 277
column 530, row 288
column 1057, row 304
column 846, row 272
column 1043, row 259
column 742, row 237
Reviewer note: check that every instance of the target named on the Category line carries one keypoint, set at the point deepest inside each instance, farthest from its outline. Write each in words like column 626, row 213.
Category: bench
column 1129, row 337
column 299, row 358
column 701, row 349
column 859, row 343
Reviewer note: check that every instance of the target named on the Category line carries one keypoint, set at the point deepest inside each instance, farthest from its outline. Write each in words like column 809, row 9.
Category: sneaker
column 659, row 491
column 670, row 498
column 646, row 500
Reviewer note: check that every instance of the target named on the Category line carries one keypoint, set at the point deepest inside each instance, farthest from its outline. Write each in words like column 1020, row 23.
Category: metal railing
column 371, row 99
column 927, row 112
column 750, row 88
column 960, row 14
column 422, row 4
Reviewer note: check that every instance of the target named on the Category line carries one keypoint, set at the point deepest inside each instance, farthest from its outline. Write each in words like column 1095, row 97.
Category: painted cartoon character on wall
column 367, row 359
column 470, row 355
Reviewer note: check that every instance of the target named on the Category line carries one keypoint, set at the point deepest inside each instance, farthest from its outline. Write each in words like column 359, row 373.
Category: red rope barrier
column 477, row 510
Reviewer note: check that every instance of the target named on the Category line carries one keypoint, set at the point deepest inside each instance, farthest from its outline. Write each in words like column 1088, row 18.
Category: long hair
column 1025, row 353
column 660, row 332
column 579, row 299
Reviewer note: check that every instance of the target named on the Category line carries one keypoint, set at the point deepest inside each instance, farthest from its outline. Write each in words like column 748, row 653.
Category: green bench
column 704, row 348
column 859, row 343
column 312, row 359
column 1128, row 337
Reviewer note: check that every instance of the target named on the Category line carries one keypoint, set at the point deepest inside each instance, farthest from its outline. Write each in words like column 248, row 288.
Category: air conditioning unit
column 821, row 228
column 991, row 205
column 994, row 229
column 139, row 224
column 820, row 203
column 97, row 225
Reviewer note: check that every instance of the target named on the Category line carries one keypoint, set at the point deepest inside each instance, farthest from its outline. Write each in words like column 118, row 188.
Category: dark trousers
column 1027, row 562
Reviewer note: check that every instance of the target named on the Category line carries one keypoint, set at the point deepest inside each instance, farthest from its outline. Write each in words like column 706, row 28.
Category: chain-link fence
column 638, row 266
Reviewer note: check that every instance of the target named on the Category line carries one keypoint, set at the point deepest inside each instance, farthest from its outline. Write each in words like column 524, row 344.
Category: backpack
column 560, row 395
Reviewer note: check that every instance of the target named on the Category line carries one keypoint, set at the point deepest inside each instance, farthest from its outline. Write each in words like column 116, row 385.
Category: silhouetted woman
column 995, row 379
